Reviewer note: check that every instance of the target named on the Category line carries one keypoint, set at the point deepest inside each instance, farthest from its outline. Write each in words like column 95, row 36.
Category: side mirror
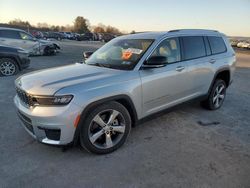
column 155, row 62
column 86, row 55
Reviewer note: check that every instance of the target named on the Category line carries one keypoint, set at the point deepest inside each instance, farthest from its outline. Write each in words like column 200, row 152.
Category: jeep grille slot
column 24, row 97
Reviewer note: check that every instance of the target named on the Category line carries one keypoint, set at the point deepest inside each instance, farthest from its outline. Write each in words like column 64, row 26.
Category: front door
column 28, row 42
column 164, row 87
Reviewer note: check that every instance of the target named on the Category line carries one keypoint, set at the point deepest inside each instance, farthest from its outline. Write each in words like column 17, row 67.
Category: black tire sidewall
column 84, row 137
column 217, row 82
column 2, row 60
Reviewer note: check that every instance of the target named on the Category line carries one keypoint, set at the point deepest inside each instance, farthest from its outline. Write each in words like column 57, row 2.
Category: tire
column 48, row 51
column 8, row 67
column 109, row 133
column 216, row 96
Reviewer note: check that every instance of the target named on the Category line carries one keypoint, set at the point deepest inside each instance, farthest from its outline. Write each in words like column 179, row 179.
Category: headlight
column 52, row 100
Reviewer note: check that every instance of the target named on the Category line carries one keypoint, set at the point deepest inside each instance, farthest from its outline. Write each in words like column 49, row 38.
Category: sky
column 231, row 17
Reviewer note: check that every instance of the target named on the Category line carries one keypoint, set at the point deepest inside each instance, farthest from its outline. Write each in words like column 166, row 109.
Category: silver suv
column 129, row 78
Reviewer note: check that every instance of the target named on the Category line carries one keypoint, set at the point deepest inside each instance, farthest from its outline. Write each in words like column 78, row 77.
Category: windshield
column 120, row 54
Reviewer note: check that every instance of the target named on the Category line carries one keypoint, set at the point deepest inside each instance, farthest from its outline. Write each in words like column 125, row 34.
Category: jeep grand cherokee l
column 129, row 78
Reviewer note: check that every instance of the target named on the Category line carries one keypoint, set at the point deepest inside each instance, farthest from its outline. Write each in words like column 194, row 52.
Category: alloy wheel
column 219, row 95
column 7, row 68
column 107, row 129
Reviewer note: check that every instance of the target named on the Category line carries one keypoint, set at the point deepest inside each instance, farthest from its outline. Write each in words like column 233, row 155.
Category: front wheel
column 216, row 96
column 106, row 128
column 8, row 67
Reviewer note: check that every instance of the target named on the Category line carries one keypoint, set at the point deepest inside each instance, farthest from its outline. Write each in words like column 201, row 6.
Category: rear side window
column 193, row 47
column 217, row 45
column 9, row 34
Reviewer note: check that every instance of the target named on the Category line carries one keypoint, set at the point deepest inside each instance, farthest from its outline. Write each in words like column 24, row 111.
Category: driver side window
column 169, row 48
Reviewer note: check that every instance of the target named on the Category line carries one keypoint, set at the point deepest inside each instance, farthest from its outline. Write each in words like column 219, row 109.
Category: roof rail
column 178, row 30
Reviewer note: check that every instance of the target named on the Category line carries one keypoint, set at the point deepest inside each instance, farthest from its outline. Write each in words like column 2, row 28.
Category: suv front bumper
column 49, row 125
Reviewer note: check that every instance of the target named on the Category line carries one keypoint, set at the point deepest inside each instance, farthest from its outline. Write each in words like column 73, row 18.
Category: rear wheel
column 8, row 67
column 106, row 128
column 216, row 96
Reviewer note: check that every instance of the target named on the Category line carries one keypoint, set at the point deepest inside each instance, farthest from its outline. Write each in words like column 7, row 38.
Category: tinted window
column 193, row 47
column 169, row 48
column 9, row 34
column 217, row 45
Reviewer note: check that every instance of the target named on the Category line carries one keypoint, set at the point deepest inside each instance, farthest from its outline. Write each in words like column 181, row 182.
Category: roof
column 9, row 28
column 157, row 35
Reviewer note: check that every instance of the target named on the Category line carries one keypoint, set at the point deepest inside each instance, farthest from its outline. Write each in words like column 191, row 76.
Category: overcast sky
column 229, row 16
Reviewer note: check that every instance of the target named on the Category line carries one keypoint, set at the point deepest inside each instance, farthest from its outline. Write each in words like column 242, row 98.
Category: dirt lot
column 169, row 150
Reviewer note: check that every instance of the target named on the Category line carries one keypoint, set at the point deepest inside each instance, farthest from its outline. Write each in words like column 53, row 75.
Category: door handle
column 212, row 61
column 180, row 68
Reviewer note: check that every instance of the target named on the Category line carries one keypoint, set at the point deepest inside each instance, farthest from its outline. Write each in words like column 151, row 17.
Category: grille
column 24, row 97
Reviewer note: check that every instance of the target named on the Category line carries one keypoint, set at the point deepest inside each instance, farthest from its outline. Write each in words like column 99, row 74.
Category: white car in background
column 21, row 39
column 243, row 44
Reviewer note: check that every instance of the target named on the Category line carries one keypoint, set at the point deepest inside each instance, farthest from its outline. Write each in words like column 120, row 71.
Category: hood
column 49, row 81
column 45, row 42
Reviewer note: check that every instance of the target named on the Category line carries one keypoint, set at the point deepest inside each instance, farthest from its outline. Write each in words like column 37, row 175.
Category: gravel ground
column 168, row 150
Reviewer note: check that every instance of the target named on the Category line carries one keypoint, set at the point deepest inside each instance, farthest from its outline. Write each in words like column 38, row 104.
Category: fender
column 119, row 98
column 215, row 76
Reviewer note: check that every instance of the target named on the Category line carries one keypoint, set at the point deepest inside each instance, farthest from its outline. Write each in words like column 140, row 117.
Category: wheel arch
column 13, row 58
column 224, row 74
column 125, row 100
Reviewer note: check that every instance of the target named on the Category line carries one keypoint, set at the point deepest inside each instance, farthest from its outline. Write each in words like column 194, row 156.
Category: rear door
column 10, row 38
column 196, row 56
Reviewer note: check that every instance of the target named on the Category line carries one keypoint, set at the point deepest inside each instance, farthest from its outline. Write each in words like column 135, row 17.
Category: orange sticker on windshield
column 126, row 55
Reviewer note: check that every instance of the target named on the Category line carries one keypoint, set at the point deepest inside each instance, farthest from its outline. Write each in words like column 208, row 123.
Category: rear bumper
column 49, row 125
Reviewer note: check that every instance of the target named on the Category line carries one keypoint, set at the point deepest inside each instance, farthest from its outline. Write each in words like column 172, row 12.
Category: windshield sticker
column 134, row 51
column 126, row 55
column 129, row 52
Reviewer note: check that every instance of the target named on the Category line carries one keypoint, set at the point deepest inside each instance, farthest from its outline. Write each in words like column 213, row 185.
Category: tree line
column 80, row 25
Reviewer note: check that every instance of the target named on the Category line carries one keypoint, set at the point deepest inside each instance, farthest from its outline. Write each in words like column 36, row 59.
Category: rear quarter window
column 193, row 47
column 217, row 44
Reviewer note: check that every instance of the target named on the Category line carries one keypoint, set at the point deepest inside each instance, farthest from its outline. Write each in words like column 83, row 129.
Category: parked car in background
column 13, row 60
column 64, row 34
column 70, row 35
column 96, row 37
column 55, row 35
column 234, row 43
column 37, row 34
column 243, row 44
column 21, row 39
column 126, row 80
column 86, row 37
column 75, row 36
column 106, row 37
